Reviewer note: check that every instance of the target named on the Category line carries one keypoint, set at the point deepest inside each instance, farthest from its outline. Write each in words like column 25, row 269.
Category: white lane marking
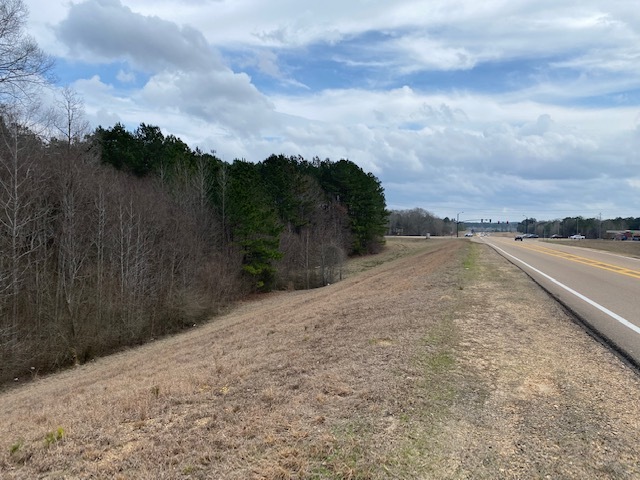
column 613, row 315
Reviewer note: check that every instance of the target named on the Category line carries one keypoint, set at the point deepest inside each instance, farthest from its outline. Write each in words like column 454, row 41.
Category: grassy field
column 435, row 360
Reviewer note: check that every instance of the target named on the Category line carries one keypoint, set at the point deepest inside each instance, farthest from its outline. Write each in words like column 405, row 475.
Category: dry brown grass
column 423, row 366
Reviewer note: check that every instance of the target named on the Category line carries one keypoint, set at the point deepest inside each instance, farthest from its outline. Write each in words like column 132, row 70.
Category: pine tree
column 363, row 196
column 253, row 223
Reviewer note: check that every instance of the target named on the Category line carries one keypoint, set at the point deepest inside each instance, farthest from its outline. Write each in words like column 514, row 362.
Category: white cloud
column 107, row 30
column 126, row 77
column 519, row 107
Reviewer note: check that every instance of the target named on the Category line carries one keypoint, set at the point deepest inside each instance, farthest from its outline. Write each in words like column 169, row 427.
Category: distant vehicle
column 531, row 235
column 556, row 236
column 468, row 234
column 519, row 237
column 577, row 237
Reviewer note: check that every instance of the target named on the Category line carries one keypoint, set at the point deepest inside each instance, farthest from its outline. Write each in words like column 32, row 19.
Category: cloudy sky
column 500, row 109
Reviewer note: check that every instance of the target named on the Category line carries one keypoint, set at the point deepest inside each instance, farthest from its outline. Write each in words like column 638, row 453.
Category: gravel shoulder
column 437, row 359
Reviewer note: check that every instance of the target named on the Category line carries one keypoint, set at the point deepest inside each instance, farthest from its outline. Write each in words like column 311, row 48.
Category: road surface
column 601, row 288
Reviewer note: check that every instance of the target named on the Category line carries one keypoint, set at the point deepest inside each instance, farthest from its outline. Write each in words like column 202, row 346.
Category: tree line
column 120, row 237
column 261, row 207
column 420, row 222
column 590, row 227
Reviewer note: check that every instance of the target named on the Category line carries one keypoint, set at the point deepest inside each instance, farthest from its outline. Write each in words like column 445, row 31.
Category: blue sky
column 501, row 109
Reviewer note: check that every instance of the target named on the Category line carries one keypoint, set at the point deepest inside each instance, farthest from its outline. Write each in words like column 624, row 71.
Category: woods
column 120, row 237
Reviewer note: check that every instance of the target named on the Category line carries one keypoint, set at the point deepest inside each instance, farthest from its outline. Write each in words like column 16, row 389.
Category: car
column 468, row 234
column 531, row 235
column 577, row 237
column 556, row 236
column 519, row 237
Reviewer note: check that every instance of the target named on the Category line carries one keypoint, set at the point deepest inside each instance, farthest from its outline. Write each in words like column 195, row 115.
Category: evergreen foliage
column 254, row 223
column 363, row 196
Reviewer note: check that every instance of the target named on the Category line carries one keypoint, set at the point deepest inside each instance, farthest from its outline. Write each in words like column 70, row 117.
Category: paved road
column 602, row 289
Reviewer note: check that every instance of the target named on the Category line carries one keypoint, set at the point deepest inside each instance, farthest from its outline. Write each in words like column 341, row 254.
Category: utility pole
column 600, row 226
column 458, row 223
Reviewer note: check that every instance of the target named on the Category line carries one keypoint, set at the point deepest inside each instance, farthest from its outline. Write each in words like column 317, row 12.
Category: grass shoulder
column 394, row 249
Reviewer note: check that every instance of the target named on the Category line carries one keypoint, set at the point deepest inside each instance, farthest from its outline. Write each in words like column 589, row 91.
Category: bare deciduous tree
column 69, row 119
column 73, row 245
column 22, row 62
column 22, row 212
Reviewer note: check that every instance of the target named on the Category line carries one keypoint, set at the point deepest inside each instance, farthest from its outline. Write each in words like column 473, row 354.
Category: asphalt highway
column 600, row 288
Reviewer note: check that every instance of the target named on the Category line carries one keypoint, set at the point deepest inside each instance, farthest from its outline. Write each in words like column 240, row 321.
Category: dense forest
column 119, row 237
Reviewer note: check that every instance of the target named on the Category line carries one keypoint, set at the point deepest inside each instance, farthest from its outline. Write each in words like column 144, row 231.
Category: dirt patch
column 436, row 359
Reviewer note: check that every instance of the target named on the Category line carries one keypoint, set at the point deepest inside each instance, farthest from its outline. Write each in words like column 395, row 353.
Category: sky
column 500, row 109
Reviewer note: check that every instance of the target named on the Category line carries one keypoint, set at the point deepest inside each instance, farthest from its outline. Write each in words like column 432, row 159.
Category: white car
column 577, row 237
